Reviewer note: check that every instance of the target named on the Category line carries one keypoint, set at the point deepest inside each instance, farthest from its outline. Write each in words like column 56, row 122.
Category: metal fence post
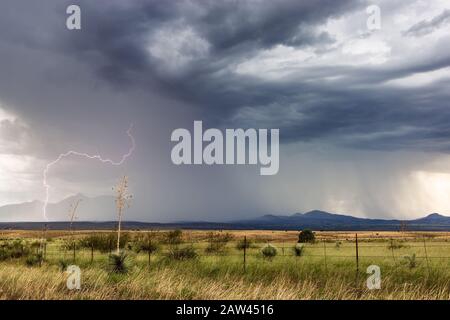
column 357, row 254
column 245, row 252
column 426, row 255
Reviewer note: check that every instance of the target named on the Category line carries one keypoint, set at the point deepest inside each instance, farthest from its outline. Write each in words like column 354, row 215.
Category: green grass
column 320, row 273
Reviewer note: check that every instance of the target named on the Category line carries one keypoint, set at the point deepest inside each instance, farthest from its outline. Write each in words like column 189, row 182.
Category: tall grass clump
column 411, row 261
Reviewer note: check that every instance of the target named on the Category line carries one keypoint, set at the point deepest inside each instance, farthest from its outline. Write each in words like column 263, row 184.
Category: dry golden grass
column 257, row 235
column 20, row 282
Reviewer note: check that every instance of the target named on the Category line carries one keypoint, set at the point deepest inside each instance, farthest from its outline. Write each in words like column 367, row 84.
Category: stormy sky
column 364, row 115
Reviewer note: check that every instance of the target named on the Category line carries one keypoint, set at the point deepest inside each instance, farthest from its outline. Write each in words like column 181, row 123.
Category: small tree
column 306, row 236
column 146, row 243
column 72, row 218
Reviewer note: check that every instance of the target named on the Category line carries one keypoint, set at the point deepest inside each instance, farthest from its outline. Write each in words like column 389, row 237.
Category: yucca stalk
column 73, row 217
column 123, row 199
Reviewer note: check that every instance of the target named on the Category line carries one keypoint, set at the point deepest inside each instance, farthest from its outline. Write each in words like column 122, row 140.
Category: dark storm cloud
column 115, row 43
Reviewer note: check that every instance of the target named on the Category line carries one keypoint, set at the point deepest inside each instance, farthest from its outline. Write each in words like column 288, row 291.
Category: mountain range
column 29, row 216
column 102, row 208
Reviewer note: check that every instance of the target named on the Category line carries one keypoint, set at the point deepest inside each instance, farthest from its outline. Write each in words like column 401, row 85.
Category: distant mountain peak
column 316, row 212
column 435, row 215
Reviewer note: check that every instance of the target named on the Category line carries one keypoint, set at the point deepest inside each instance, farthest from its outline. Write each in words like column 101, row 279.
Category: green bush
column 306, row 236
column 185, row 253
column 104, row 242
column 269, row 252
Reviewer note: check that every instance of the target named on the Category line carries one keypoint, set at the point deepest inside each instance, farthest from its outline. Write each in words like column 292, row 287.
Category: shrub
column 34, row 259
column 338, row 244
column 217, row 242
column 269, row 252
column 104, row 242
column 298, row 250
column 306, row 236
column 186, row 253
column 243, row 244
column 118, row 262
column 174, row 238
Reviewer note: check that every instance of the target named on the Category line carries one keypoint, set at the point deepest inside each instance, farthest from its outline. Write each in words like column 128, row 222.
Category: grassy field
column 413, row 266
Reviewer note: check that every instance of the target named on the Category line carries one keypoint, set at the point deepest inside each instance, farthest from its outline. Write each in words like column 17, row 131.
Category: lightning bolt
column 84, row 155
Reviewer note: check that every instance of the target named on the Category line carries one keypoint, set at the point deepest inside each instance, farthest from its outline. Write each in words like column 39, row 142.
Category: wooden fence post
column 149, row 251
column 92, row 252
column 74, row 251
column 325, row 254
column 392, row 249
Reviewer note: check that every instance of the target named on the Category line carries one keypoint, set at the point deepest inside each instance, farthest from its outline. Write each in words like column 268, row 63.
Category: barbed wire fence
column 327, row 249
